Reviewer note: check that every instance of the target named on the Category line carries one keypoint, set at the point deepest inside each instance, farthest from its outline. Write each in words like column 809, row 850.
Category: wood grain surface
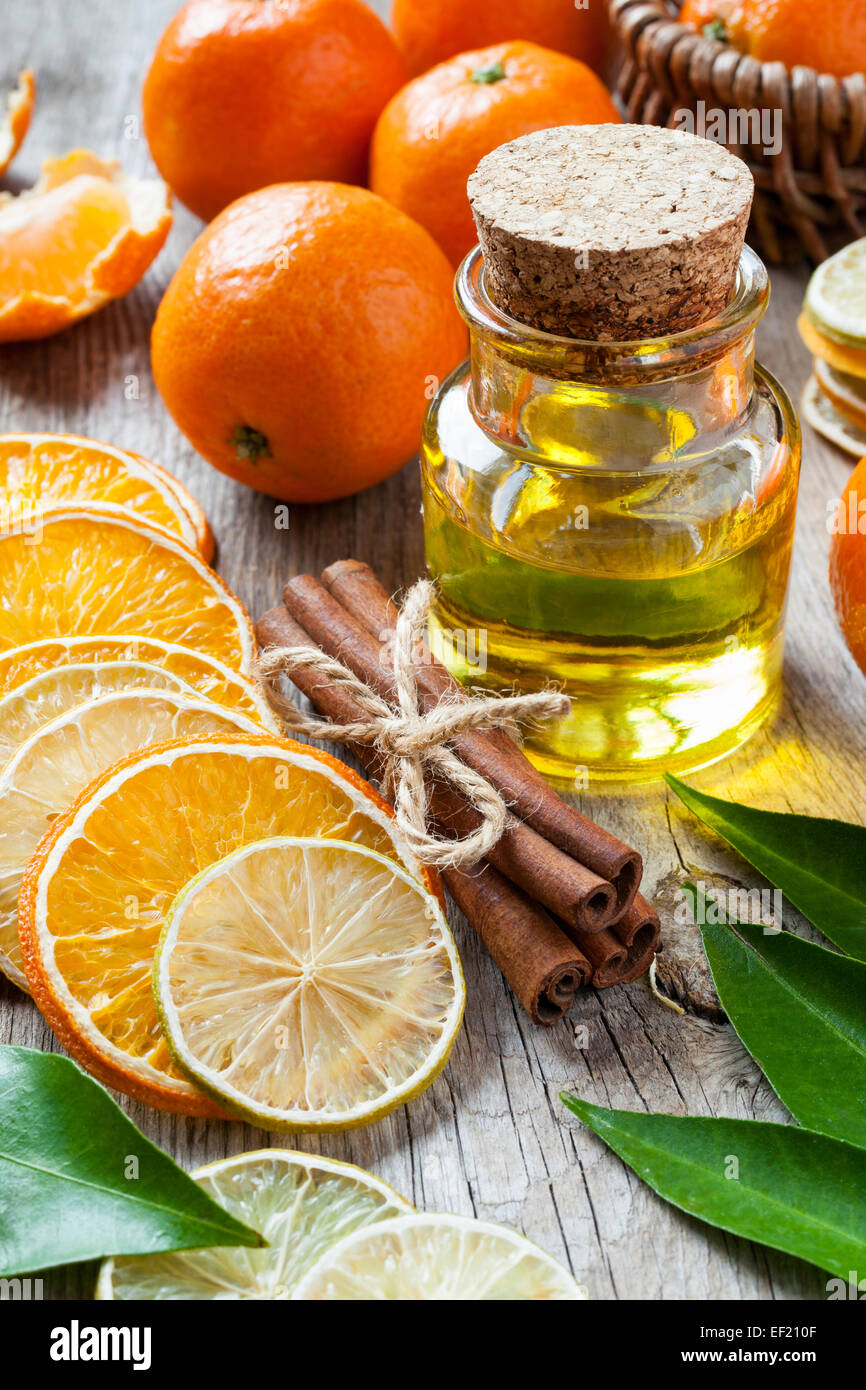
column 490, row 1138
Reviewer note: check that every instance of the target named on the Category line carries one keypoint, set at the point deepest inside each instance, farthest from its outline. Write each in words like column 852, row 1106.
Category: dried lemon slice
column 301, row 1204
column 848, row 393
column 98, row 569
column 836, row 296
column 827, row 420
column 99, row 887
column 50, row 768
column 26, row 708
column 308, row 984
column 210, row 677
column 437, row 1257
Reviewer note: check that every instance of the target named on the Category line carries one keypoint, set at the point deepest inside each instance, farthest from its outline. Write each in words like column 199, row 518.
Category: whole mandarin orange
column 848, row 564
column 301, row 338
column 430, row 33
column 244, row 93
column 828, row 35
column 432, row 134
column 722, row 17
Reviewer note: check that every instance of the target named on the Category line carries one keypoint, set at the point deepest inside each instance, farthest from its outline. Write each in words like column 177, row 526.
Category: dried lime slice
column 301, row 1204
column 308, row 984
column 438, row 1257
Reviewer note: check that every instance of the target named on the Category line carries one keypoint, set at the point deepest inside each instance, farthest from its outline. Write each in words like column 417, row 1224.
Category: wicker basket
column 811, row 195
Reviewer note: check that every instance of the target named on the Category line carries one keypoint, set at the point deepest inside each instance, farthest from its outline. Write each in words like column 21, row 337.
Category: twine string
column 412, row 746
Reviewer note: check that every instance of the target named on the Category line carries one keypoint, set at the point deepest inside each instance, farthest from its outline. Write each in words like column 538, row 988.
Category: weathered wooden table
column 490, row 1137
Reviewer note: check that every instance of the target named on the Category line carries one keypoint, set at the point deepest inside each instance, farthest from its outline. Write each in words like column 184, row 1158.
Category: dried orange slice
column 43, row 471
column 101, row 883
column 97, row 569
column 61, row 757
column 211, row 678
column 845, row 359
column 204, row 536
column 19, row 109
column 84, row 234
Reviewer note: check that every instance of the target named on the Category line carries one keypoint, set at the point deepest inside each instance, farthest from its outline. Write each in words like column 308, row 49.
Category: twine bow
column 413, row 745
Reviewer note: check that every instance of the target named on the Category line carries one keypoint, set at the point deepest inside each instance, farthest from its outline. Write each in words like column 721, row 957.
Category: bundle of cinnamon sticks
column 556, row 901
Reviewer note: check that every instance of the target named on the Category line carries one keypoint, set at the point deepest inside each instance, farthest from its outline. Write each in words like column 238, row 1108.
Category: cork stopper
column 610, row 232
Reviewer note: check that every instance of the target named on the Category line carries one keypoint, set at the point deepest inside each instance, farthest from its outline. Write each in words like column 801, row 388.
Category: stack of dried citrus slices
column 833, row 327
column 149, row 811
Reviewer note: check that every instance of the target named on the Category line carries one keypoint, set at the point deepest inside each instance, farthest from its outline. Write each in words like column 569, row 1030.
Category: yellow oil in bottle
column 626, row 546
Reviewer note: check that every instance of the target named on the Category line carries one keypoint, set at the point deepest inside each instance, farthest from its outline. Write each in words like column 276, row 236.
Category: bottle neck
column 583, row 421
column 614, row 405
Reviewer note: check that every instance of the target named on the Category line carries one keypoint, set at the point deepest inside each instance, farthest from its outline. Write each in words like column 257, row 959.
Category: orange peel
column 83, row 235
column 16, row 123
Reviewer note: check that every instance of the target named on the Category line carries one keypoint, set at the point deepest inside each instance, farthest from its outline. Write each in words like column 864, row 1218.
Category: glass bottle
column 616, row 518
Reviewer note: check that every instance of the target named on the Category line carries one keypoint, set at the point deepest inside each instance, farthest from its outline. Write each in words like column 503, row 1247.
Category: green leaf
column 68, row 1190
column 795, row 1191
column 820, row 865
column 799, row 1011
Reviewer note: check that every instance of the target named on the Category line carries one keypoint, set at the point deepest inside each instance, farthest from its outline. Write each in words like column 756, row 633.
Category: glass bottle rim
column 705, row 340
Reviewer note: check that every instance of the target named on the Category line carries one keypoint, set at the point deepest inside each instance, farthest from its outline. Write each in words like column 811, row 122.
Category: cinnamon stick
column 570, row 890
column 639, row 931
column 623, row 952
column 612, row 956
column 541, row 965
column 493, row 753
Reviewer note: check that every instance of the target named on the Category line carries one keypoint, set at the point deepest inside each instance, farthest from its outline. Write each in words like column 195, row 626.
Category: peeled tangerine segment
column 309, row 983
column 84, row 234
column 440, row 1258
column 99, row 570
column 101, row 885
column 301, row 1204
column 53, row 765
column 44, row 471
column 184, row 667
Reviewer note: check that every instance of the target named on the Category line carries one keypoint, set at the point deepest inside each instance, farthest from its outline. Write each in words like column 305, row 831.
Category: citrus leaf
column 819, row 864
column 799, row 1010
column 78, row 1181
column 777, row 1184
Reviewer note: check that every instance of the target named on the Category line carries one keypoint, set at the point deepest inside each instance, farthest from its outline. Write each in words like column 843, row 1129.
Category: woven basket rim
column 661, row 13
column 814, row 183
